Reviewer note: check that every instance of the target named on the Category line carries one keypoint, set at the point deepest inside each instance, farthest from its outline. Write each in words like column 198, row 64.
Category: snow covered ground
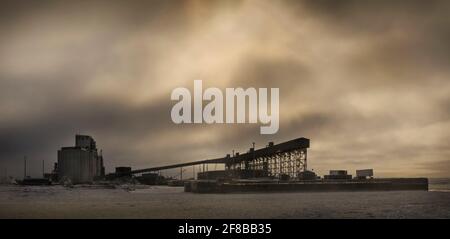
column 172, row 202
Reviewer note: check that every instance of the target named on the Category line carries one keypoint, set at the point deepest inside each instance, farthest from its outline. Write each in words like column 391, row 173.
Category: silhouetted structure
column 364, row 173
column 53, row 176
column 152, row 179
column 123, row 171
column 287, row 159
column 81, row 163
column 284, row 160
column 338, row 174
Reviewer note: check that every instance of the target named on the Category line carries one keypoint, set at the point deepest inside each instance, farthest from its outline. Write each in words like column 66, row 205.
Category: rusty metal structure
column 286, row 159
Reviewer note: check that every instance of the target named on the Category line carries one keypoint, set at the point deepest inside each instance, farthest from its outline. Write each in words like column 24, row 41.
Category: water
column 172, row 202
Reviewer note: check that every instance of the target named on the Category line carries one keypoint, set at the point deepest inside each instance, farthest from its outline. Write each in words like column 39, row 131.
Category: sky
column 367, row 81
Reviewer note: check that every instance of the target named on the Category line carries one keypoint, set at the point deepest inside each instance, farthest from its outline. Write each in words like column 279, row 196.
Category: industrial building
column 338, row 174
column 287, row 160
column 81, row 163
column 275, row 168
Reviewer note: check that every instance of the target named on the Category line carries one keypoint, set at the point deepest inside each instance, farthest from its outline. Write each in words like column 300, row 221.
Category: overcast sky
column 367, row 81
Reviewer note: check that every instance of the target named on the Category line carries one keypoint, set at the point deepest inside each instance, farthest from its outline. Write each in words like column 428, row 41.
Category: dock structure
column 288, row 158
column 275, row 160
column 274, row 168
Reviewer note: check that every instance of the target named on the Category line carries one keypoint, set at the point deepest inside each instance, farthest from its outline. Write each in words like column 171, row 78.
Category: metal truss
column 276, row 165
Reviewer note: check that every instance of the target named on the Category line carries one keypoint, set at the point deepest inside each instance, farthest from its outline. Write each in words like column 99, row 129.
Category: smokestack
column 43, row 168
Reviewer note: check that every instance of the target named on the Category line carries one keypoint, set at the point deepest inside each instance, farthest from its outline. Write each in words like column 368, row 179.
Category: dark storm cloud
column 372, row 17
column 269, row 73
column 367, row 81
column 41, row 135
column 422, row 24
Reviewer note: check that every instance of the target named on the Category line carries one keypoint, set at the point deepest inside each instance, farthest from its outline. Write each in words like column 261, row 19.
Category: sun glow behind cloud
column 366, row 82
